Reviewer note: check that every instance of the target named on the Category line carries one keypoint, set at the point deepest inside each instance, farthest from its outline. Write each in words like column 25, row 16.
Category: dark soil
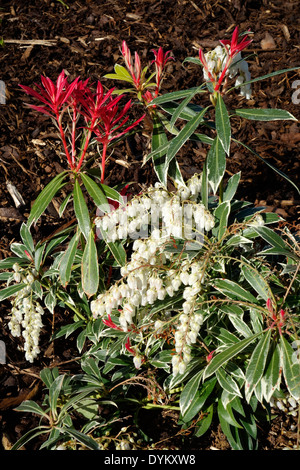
column 85, row 40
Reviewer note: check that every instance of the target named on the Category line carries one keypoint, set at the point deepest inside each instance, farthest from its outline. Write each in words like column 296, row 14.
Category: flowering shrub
column 188, row 291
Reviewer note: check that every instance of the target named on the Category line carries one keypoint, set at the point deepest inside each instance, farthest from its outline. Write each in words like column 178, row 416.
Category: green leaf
column 96, row 193
column 111, row 193
column 221, row 214
column 87, row 441
column 216, row 164
column 173, row 96
column 231, row 187
column 205, row 422
column 199, row 399
column 263, row 77
column 280, row 252
column 81, row 210
column 291, row 368
column 49, row 375
column 270, row 236
column 188, row 394
column 121, row 73
column 67, row 330
column 90, row 366
column 224, row 356
column 89, row 267
column 11, row 290
column 223, row 124
column 227, row 414
column 184, row 135
column 28, row 436
column 257, row 281
column 233, row 290
column 240, row 325
column 265, row 114
column 67, row 260
column 159, row 139
column 30, row 406
column 38, row 256
column 256, row 366
column 27, row 238
column 45, row 197
column 54, row 392
column 227, row 382
column 183, row 105
column 193, row 60
column 272, row 376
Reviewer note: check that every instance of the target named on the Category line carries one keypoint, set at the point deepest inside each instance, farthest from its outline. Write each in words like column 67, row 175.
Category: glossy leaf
column 11, row 290
column 27, row 238
column 184, row 134
column 183, row 105
column 227, row 382
column 256, row 366
column 223, row 124
column 233, row 290
column 221, row 358
column 257, row 281
column 67, row 260
column 118, row 252
column 216, row 164
column 291, row 367
column 54, row 392
column 159, row 140
column 205, row 422
column 30, row 406
column 200, row 397
column 231, row 187
column 81, row 211
column 265, row 114
column 96, row 193
column 45, row 197
column 121, row 73
column 87, row 441
column 227, row 414
column 264, row 77
column 173, row 96
column 188, row 394
column 221, row 214
column 272, row 376
column 89, row 267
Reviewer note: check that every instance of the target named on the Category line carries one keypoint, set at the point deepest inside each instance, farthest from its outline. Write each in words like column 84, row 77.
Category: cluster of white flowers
column 185, row 336
column 287, row 404
column 152, row 274
column 216, row 60
column 178, row 214
column 26, row 314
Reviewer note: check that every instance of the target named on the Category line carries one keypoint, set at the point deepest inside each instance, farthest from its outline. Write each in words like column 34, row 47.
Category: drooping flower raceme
column 26, row 314
column 153, row 274
column 179, row 214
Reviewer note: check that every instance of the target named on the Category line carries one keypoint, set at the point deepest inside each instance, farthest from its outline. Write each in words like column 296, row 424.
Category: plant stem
column 165, row 407
column 63, row 138
column 103, row 160
column 221, row 191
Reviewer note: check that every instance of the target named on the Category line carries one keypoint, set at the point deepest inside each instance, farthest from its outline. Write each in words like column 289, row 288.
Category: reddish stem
column 103, row 160
column 62, row 134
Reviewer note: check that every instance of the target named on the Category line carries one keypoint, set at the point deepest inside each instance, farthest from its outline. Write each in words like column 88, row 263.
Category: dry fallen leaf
column 268, row 42
column 12, row 402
